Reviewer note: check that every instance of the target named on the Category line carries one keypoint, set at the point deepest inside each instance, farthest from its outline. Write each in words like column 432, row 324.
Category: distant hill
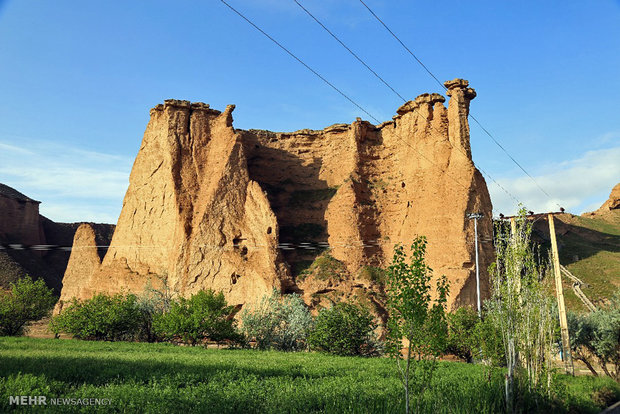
column 31, row 244
column 589, row 248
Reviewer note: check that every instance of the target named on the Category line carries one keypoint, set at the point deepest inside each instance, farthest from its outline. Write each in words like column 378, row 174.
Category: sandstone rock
column 613, row 202
column 244, row 211
column 43, row 253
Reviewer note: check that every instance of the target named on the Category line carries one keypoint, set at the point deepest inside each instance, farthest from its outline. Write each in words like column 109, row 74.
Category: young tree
column 520, row 309
column 26, row 301
column 204, row 315
column 412, row 318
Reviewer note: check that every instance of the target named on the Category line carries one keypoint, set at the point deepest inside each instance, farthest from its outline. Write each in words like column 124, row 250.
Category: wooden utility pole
column 568, row 359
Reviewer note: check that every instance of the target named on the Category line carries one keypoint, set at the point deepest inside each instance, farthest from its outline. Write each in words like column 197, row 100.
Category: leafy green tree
column 345, row 329
column 412, row 318
column 488, row 342
column 462, row 340
column 26, row 301
column 205, row 315
column 280, row 322
column 103, row 317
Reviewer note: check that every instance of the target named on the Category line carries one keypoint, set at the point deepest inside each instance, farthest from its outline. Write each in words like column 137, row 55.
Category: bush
column 278, row 322
column 205, row 315
column 596, row 337
column 462, row 325
column 345, row 329
column 26, row 301
column 152, row 303
column 488, row 340
column 103, row 317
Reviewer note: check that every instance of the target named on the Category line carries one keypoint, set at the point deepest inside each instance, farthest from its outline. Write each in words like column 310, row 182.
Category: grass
column 599, row 258
column 324, row 267
column 162, row 378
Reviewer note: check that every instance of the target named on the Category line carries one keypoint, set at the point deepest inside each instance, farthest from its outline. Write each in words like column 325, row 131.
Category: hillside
column 590, row 249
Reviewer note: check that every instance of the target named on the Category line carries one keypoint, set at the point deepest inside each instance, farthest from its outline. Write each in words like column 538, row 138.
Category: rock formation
column 613, row 202
column 31, row 244
column 243, row 212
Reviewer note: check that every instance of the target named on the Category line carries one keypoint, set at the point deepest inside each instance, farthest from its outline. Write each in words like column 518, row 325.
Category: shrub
column 462, row 325
column 324, row 267
column 103, row 317
column 205, row 315
column 152, row 303
column 26, row 301
column 488, row 340
column 345, row 329
column 372, row 274
column 597, row 336
column 278, row 322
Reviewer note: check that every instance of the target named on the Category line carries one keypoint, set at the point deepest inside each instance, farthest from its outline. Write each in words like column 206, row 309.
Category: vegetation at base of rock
column 461, row 340
column 345, row 329
column 25, row 301
column 103, row 317
column 204, row 315
column 415, row 318
column 324, row 267
column 162, row 378
column 595, row 338
column 299, row 267
column 127, row 317
column 372, row 274
column 278, row 322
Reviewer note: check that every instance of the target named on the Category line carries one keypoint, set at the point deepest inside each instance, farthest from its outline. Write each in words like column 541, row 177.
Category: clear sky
column 77, row 79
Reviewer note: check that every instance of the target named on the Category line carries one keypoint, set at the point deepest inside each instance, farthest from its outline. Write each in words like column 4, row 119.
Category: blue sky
column 77, row 80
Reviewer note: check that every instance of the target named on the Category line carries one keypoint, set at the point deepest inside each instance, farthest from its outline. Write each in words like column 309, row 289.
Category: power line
column 443, row 86
column 393, row 90
column 406, row 48
column 338, row 90
column 299, row 60
column 350, row 51
column 510, row 156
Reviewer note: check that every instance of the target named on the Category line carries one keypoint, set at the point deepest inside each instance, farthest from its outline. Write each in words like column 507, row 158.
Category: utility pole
column 568, row 359
column 476, row 216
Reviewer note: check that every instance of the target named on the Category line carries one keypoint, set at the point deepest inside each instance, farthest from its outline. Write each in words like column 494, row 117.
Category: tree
column 345, row 329
column 520, row 310
column 462, row 325
column 205, row 315
column 411, row 317
column 103, row 317
column 278, row 322
column 26, row 301
column 153, row 302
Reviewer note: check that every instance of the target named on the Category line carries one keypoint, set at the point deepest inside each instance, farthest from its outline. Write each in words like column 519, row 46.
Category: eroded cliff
column 247, row 211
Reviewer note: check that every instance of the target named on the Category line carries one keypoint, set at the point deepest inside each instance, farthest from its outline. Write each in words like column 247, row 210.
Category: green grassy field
column 160, row 378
